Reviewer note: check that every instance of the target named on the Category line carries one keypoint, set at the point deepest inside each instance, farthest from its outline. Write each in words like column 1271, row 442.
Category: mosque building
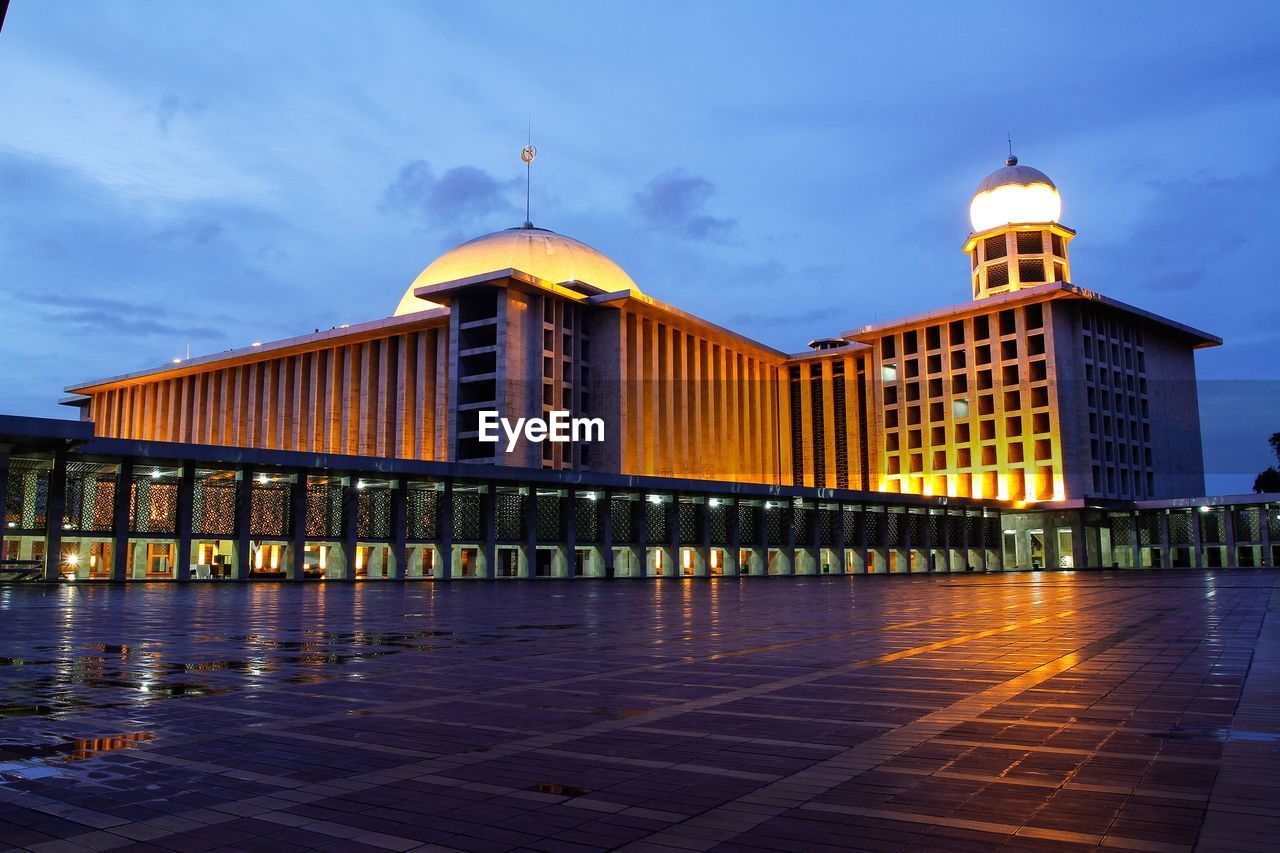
column 1035, row 389
column 1033, row 398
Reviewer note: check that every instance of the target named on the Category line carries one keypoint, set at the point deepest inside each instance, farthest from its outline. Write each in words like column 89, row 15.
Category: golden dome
column 1014, row 195
column 537, row 251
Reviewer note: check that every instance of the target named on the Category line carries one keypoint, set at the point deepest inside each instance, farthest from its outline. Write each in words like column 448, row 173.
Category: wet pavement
column 1136, row 710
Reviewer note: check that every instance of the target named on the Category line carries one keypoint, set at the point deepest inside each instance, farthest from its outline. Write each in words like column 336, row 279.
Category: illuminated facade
column 1038, row 424
column 1035, row 390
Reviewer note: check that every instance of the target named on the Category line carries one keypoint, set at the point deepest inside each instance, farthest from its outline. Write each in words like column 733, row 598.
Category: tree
column 1269, row 480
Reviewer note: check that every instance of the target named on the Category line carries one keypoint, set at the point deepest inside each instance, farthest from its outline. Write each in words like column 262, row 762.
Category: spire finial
column 527, row 154
column 1011, row 160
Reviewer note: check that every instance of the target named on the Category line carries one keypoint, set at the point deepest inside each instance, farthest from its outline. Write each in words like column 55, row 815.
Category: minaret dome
column 1017, row 240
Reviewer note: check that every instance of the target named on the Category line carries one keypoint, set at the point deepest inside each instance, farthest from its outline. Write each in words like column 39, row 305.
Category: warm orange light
column 715, row 558
column 275, row 557
column 257, row 559
column 687, row 558
column 359, row 559
column 657, row 559
column 324, row 553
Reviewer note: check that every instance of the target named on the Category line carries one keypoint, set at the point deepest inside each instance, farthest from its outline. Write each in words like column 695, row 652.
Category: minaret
column 1016, row 240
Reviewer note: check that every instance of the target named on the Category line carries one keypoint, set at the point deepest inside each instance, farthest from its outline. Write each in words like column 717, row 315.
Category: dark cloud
column 460, row 194
column 676, row 201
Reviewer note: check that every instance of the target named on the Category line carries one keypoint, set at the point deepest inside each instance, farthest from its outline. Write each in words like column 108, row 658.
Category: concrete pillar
column 1229, row 524
column 297, row 526
column 244, row 513
column 529, row 526
column 120, row 521
column 399, row 530
column 1197, row 540
column 185, row 518
column 569, row 526
column 444, row 530
column 350, row 527
column 640, row 533
column 702, row 549
column 671, row 563
column 606, row 534
column 1166, row 554
column 488, row 534
column 1079, row 542
column 1266, row 511
column 733, row 548
column 55, row 506
column 4, row 493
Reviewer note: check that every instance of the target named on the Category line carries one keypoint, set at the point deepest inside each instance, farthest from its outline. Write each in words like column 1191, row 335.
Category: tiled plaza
column 1132, row 710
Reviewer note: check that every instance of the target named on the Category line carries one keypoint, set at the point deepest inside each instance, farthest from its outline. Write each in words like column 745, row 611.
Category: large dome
column 537, row 251
column 1014, row 195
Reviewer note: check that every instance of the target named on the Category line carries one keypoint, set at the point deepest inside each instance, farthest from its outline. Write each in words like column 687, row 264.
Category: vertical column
column 569, row 510
column 1264, row 509
column 186, row 502
column 762, row 537
column 298, row 525
column 1197, row 540
column 702, row 524
column 640, row 532
column 244, row 519
column 399, row 530
column 1229, row 522
column 444, row 529
column 120, row 521
column 4, row 493
column 606, row 533
column 350, row 526
column 1166, row 553
column 529, row 532
column 789, row 537
column 1135, row 549
column 488, row 534
column 55, row 506
column 733, row 557
column 838, row 536
column 672, row 567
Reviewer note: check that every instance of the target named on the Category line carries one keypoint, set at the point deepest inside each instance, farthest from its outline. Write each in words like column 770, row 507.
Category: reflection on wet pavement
column 1073, row 709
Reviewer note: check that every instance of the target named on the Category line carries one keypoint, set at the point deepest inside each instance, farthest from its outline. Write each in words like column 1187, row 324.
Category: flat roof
column 258, row 352
column 1039, row 293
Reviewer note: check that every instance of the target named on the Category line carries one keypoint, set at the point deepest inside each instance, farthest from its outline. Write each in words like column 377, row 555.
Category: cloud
column 676, row 201
column 170, row 107
column 460, row 194
column 93, row 315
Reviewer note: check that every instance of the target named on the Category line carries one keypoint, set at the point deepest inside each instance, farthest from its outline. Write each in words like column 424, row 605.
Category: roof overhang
column 1062, row 231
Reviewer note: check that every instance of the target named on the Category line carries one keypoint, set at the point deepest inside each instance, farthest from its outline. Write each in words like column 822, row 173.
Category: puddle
column 1192, row 733
column 558, row 790
column 40, row 760
column 26, row 710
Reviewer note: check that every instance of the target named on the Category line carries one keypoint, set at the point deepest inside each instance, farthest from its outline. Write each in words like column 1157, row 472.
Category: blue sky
column 207, row 175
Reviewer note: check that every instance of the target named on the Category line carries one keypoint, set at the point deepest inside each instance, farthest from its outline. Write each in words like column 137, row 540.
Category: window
column 1030, row 243
column 960, row 408
column 982, row 327
column 887, row 349
column 1008, row 322
column 994, row 247
column 957, row 332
